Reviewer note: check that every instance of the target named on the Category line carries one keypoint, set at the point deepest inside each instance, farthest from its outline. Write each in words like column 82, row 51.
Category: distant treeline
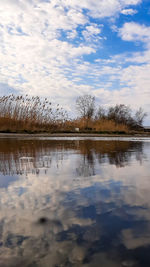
column 34, row 114
column 115, row 118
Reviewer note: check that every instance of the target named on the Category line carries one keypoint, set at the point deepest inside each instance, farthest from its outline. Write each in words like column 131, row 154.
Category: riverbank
column 16, row 135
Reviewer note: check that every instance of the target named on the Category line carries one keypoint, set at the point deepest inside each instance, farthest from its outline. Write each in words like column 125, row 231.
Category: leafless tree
column 120, row 114
column 140, row 116
column 101, row 113
column 85, row 106
column 123, row 114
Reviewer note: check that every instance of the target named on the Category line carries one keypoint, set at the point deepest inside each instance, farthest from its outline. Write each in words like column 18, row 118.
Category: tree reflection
column 25, row 156
column 60, row 216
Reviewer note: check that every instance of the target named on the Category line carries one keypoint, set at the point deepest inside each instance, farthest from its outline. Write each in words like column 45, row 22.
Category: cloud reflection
column 74, row 203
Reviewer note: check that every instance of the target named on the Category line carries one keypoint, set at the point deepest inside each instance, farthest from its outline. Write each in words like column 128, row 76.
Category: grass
column 29, row 114
column 24, row 114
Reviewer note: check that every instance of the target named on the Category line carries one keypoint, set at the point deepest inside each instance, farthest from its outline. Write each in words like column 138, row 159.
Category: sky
column 62, row 49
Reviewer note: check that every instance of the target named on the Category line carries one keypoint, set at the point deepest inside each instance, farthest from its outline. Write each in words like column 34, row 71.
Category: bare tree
column 140, row 116
column 123, row 114
column 120, row 114
column 101, row 113
column 85, row 106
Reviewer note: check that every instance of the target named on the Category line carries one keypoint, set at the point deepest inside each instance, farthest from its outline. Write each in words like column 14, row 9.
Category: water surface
column 74, row 202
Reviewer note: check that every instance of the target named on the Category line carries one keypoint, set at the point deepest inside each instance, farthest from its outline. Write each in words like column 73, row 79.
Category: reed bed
column 24, row 113
column 96, row 125
column 110, row 125
column 34, row 114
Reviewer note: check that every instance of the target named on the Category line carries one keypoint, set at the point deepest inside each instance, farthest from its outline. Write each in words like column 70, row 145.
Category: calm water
column 74, row 203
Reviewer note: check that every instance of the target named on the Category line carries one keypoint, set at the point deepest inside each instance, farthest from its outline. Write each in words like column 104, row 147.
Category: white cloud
column 72, row 34
column 103, row 8
column 136, row 76
column 132, row 31
column 129, row 11
column 92, row 33
column 131, row 2
column 33, row 47
column 139, row 57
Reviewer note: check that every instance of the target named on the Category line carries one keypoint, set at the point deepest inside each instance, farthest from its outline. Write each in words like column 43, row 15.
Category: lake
column 74, row 202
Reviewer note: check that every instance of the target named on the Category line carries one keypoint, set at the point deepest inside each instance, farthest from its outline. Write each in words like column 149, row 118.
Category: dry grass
column 31, row 114
column 103, row 125
column 24, row 113
column 110, row 125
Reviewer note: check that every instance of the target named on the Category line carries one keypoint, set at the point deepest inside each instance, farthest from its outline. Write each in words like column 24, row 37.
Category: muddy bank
column 16, row 135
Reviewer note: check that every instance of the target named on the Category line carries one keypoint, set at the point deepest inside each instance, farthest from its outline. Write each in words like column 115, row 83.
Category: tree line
column 120, row 113
column 33, row 114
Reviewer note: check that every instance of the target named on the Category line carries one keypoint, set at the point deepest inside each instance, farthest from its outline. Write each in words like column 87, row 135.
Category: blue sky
column 65, row 48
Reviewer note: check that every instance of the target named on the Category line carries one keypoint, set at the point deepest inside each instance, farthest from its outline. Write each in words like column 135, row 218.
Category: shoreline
column 13, row 135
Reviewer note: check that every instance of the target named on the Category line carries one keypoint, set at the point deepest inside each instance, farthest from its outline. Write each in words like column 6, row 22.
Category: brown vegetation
column 96, row 125
column 20, row 156
column 118, row 118
column 29, row 114
column 32, row 114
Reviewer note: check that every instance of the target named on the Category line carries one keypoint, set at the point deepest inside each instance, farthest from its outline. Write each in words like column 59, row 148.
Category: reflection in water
column 25, row 156
column 74, row 203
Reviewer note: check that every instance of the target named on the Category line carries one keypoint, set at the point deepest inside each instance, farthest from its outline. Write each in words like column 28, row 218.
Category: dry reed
column 24, row 113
